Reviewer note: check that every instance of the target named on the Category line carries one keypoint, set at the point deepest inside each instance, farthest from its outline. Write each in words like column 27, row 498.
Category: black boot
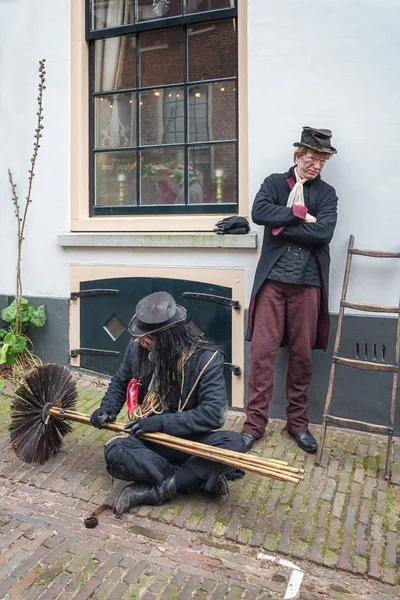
column 144, row 493
column 220, row 487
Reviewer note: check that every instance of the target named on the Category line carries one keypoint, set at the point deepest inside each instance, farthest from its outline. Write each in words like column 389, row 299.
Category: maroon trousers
column 279, row 304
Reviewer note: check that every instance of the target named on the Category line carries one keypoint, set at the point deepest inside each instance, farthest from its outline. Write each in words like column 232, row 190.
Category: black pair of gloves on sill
column 232, row 225
column 151, row 424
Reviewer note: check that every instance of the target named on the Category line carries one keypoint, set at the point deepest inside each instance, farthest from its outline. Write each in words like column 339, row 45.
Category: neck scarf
column 296, row 196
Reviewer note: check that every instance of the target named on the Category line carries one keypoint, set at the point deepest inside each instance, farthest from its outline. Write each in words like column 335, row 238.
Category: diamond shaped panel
column 114, row 327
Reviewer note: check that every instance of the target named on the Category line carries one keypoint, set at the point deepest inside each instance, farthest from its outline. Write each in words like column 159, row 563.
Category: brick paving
column 340, row 525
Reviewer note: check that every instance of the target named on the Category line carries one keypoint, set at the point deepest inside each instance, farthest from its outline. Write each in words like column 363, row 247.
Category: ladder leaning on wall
column 361, row 364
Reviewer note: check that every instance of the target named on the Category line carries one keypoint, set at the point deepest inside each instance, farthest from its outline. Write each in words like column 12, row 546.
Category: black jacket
column 270, row 210
column 207, row 406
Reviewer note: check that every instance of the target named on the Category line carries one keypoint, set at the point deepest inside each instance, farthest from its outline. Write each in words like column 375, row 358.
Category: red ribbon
column 132, row 395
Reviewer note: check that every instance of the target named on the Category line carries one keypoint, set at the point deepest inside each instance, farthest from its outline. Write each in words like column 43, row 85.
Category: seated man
column 181, row 392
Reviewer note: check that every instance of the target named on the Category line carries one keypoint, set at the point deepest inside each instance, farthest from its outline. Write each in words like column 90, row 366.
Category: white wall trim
column 157, row 240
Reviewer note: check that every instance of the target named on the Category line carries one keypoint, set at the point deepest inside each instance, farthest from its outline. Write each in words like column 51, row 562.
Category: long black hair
column 169, row 347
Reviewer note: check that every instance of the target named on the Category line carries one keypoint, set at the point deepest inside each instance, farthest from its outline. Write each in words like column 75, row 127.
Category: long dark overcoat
column 270, row 210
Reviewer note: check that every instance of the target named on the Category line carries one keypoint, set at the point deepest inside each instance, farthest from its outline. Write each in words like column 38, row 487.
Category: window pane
column 111, row 13
column 115, row 120
column 115, row 178
column 162, row 116
column 161, row 57
column 212, row 173
column 212, row 50
column 212, row 111
column 115, row 63
column 148, row 10
column 162, row 176
column 194, row 6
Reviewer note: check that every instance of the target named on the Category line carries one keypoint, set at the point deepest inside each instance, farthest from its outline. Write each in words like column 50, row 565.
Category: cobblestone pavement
column 339, row 526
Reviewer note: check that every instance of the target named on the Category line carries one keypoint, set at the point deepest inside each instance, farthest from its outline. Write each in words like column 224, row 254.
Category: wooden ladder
column 361, row 364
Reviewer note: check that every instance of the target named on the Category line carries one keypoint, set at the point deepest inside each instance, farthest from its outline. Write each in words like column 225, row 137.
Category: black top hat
column 316, row 139
column 155, row 312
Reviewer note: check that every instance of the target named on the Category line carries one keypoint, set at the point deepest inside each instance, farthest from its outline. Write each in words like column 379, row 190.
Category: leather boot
column 220, row 487
column 144, row 493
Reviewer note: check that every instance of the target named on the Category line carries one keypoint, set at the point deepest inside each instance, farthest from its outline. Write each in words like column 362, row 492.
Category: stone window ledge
column 157, row 240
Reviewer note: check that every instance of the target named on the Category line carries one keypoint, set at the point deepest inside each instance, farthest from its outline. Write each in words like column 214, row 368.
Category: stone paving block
column 134, row 573
column 345, row 553
column 391, row 548
column 361, row 541
column 344, row 481
column 390, row 575
column 88, row 588
column 6, row 585
column 360, row 565
column 56, row 587
column 369, row 486
column 317, row 547
column 220, row 592
column 334, row 536
column 355, row 494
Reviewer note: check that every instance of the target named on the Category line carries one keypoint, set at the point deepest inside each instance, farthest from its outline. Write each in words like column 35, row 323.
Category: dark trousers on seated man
column 170, row 471
column 279, row 307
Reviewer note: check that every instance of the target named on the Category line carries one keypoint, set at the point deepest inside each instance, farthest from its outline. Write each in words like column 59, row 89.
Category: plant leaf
column 3, row 354
column 8, row 314
column 3, row 332
column 39, row 316
column 17, row 343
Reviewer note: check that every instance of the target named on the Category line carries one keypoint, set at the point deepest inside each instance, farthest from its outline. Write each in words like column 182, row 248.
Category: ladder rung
column 370, row 307
column 374, row 253
column 365, row 365
column 359, row 425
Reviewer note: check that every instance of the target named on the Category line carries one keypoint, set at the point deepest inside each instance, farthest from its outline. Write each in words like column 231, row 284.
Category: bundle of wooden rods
column 268, row 467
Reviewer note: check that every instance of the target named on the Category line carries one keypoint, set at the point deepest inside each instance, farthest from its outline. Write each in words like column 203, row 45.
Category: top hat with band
column 154, row 313
column 316, row 139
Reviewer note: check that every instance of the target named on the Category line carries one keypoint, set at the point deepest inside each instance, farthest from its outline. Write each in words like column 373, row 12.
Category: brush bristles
column 32, row 440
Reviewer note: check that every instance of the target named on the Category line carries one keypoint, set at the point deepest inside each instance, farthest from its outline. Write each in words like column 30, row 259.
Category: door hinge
column 90, row 293
column 93, row 352
column 235, row 304
column 236, row 370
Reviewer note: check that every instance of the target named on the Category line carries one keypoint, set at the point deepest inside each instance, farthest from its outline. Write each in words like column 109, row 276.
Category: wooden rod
column 157, row 437
column 237, row 459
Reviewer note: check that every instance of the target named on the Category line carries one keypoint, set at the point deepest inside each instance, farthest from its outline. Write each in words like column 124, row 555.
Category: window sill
column 157, row 240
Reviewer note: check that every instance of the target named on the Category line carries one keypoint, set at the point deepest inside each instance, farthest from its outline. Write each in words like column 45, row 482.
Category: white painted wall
column 30, row 31
column 328, row 64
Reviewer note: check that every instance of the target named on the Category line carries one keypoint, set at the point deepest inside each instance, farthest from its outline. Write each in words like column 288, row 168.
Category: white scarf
column 296, row 196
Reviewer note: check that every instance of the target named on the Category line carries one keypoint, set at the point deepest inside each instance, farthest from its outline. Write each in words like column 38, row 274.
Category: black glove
column 149, row 425
column 232, row 225
column 101, row 416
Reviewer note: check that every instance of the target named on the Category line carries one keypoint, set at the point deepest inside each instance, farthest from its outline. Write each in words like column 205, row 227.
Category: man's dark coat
column 207, row 406
column 270, row 210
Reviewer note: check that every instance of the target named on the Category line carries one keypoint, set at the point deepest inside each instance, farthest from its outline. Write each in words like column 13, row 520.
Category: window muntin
column 114, row 13
column 164, row 111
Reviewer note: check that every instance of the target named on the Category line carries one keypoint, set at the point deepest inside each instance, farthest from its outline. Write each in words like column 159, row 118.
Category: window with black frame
column 163, row 106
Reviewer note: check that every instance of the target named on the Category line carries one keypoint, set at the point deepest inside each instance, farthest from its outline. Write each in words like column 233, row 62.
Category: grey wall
column 361, row 395
column 50, row 342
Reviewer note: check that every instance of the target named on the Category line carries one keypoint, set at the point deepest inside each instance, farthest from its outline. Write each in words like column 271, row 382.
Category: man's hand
column 149, row 425
column 101, row 416
column 310, row 219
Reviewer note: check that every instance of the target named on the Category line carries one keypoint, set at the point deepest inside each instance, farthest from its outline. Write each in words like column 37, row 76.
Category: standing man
column 289, row 302
column 172, row 382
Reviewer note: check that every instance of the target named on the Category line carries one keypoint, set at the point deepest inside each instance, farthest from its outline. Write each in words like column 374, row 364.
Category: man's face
column 146, row 342
column 311, row 164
